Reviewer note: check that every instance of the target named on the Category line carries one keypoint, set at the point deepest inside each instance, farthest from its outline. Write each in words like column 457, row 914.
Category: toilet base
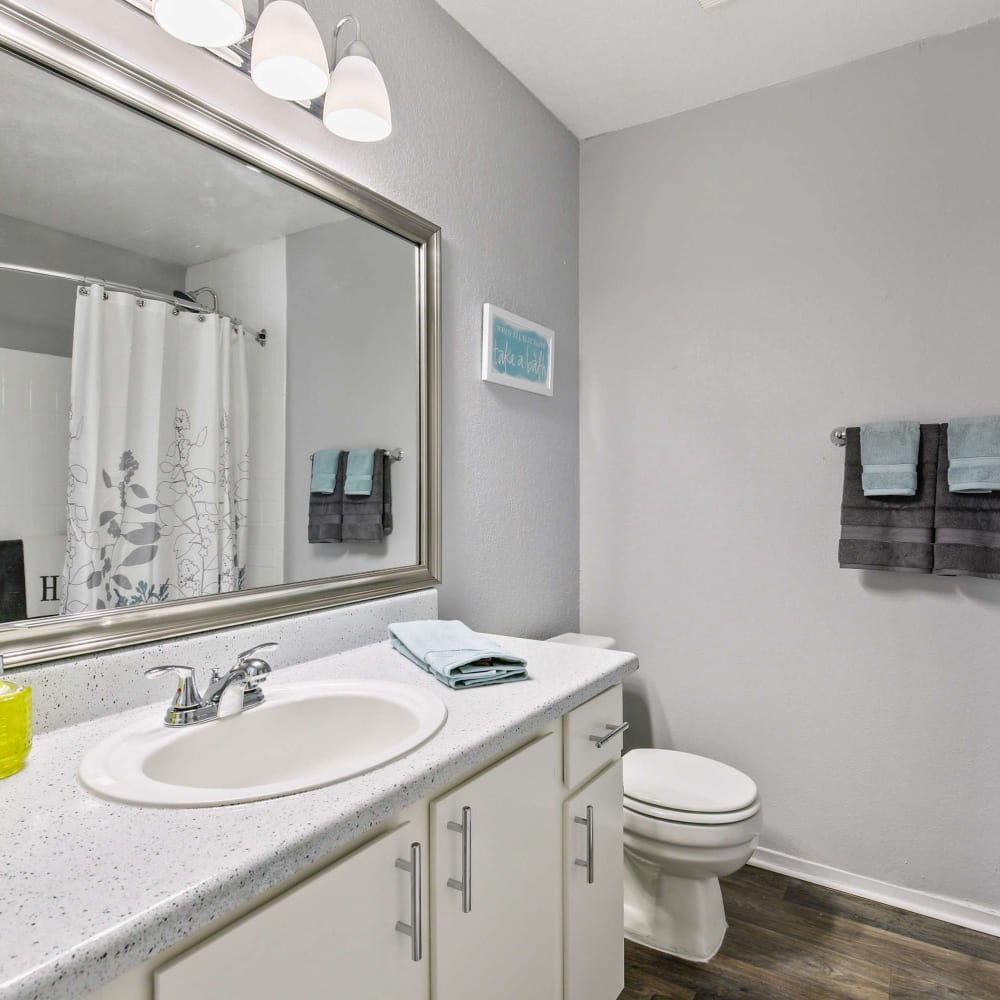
column 684, row 917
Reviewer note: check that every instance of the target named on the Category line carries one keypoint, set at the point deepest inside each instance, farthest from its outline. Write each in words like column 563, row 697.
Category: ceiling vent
column 709, row 4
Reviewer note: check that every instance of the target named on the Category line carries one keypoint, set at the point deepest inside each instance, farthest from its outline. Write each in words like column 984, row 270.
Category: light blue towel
column 974, row 455
column 456, row 655
column 360, row 469
column 324, row 472
column 889, row 458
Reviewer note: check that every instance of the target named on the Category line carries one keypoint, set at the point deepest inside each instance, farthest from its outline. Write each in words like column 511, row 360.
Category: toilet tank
column 579, row 639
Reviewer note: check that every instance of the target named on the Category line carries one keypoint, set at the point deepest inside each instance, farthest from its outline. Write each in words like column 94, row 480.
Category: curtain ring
column 140, row 303
column 106, row 296
column 83, row 290
column 201, row 317
column 176, row 311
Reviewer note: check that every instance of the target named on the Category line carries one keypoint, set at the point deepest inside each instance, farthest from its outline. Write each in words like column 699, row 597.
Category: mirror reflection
column 209, row 376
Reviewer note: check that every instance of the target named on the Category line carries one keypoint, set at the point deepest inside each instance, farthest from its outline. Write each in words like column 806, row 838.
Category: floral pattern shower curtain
column 159, row 455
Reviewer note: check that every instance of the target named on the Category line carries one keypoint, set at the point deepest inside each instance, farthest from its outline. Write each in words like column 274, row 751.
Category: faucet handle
column 251, row 654
column 187, row 696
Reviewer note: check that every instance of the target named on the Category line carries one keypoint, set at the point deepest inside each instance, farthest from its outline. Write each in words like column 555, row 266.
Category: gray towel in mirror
column 336, row 517
column 326, row 509
column 369, row 518
column 966, row 527
column 893, row 533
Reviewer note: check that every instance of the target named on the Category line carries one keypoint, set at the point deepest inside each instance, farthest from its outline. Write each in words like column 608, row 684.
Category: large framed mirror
column 219, row 366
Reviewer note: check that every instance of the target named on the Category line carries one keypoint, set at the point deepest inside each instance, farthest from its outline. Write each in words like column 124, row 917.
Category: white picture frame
column 517, row 352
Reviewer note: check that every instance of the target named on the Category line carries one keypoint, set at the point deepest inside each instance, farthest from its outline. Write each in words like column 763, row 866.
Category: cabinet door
column 593, row 921
column 335, row 935
column 496, row 884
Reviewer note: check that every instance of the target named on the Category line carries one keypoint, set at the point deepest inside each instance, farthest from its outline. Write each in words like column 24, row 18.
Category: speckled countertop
column 89, row 889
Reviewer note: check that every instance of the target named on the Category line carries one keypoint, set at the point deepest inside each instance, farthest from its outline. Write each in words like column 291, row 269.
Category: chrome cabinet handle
column 465, row 886
column 615, row 730
column 415, row 928
column 588, row 821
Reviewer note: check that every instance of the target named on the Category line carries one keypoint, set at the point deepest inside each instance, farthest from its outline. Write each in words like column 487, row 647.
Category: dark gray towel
column 966, row 527
column 13, row 598
column 334, row 517
column 889, row 533
column 326, row 509
column 369, row 518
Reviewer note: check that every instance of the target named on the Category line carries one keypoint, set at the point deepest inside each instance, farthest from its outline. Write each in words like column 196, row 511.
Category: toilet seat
column 686, row 816
column 685, row 788
column 662, row 835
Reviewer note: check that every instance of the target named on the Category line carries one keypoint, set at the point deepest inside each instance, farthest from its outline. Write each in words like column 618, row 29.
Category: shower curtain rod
column 78, row 279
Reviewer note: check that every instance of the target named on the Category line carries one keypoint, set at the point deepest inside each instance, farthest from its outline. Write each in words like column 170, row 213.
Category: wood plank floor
column 790, row 940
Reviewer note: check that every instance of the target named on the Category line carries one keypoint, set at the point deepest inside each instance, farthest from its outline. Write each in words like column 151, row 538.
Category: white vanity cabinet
column 511, row 878
column 593, row 864
column 496, row 884
column 593, row 880
column 338, row 934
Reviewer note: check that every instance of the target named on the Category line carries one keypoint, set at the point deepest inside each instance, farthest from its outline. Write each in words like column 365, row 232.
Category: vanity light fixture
column 288, row 59
column 357, row 102
column 208, row 23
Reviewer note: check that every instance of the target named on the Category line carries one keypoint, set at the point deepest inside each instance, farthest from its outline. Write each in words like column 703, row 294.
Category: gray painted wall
column 36, row 314
column 753, row 274
column 476, row 153
column 352, row 373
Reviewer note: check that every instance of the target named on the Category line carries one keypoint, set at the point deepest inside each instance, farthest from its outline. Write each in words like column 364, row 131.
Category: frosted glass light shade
column 210, row 23
column 288, row 59
column 357, row 103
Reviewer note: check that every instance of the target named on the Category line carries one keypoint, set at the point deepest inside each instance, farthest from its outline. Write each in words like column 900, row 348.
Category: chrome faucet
column 228, row 694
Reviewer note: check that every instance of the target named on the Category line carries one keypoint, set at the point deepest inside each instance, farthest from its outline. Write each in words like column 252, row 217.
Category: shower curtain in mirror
column 158, row 455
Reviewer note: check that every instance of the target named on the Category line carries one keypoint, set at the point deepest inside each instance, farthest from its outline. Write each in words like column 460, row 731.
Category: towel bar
column 395, row 454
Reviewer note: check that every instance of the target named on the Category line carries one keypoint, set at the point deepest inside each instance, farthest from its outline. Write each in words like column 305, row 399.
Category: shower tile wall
column 34, row 417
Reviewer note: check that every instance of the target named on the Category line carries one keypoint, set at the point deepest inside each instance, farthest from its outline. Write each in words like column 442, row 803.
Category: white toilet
column 689, row 821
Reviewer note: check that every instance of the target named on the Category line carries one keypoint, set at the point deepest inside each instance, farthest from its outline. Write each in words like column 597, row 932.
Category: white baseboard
column 954, row 911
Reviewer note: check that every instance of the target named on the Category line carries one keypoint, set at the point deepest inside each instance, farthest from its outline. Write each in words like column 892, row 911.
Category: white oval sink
column 303, row 736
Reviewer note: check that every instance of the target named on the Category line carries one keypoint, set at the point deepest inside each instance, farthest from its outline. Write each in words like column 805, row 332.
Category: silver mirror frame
column 30, row 36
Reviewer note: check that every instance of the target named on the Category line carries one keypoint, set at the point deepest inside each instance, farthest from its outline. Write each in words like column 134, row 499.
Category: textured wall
column 754, row 274
column 474, row 152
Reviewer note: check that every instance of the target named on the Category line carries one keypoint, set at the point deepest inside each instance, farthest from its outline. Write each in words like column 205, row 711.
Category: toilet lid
column 684, row 781
column 689, row 818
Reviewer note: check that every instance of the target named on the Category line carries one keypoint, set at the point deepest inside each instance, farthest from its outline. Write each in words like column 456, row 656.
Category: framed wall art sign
column 516, row 351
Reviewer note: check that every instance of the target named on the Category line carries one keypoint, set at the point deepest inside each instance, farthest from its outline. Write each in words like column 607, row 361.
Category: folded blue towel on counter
column 455, row 655
column 360, row 470
column 324, row 471
column 974, row 455
column 889, row 458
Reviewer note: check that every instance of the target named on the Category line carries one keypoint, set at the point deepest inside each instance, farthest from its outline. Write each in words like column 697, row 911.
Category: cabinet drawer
column 582, row 757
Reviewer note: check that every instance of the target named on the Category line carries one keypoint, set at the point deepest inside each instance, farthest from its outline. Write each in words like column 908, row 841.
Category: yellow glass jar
column 15, row 727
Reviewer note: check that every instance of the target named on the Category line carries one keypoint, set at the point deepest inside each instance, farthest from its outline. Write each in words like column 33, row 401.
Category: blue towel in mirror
column 360, row 466
column 455, row 655
column 974, row 455
column 324, row 471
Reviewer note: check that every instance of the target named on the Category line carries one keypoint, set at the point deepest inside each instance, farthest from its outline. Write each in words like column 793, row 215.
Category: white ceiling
column 600, row 67
column 82, row 164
